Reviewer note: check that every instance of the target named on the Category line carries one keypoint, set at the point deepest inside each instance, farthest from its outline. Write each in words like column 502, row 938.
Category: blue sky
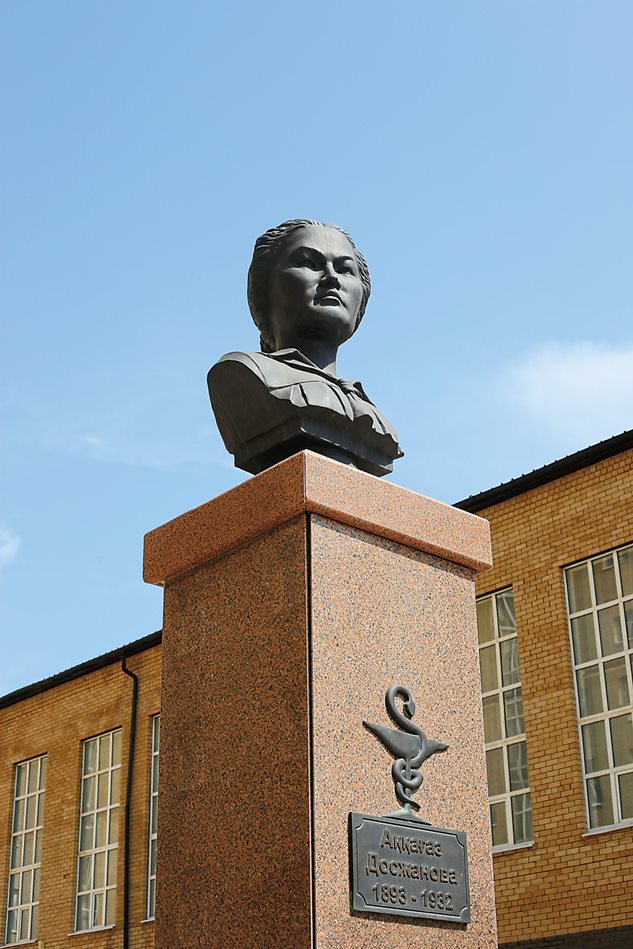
column 479, row 153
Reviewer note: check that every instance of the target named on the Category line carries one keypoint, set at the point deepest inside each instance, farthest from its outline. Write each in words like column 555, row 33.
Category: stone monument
column 293, row 604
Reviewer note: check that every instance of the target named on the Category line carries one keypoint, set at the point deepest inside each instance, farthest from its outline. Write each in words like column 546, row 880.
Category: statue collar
column 292, row 357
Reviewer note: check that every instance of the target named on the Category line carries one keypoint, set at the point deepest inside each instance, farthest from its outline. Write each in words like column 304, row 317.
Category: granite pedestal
column 292, row 603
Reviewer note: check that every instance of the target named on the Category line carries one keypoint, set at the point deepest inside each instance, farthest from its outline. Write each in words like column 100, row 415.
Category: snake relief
column 408, row 744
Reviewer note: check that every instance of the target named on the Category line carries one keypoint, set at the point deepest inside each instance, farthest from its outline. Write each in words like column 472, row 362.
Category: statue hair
column 267, row 247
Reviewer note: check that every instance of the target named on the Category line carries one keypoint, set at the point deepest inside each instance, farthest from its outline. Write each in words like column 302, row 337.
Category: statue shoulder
column 238, row 362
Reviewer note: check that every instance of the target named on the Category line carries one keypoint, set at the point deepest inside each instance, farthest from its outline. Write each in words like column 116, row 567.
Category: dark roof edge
column 75, row 672
column 557, row 469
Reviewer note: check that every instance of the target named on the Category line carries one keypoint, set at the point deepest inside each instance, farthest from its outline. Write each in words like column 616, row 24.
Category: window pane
column 625, row 558
column 628, row 618
column 622, row 739
column 617, row 685
column 98, row 907
column 36, row 884
column 626, row 795
column 155, row 772
column 14, row 889
column 34, row 916
column 18, row 815
column 151, row 901
column 110, row 908
column 600, row 803
column 152, row 857
column 16, row 852
column 505, row 613
column 112, row 859
column 514, row 712
column 156, row 733
column 517, row 766
column 522, row 818
column 584, row 638
column 114, row 826
column 492, row 722
column 20, row 779
column 485, row 624
column 27, row 881
column 83, row 912
column 84, row 876
column 498, row 824
column 101, row 834
column 86, row 837
column 115, row 789
column 88, row 794
column 104, row 752
column 589, row 693
column 43, row 774
column 29, row 848
column 604, row 579
column 90, row 756
column 488, row 661
column 103, row 793
column 12, row 925
column 595, row 747
column 116, row 748
column 578, row 588
column 31, row 812
column 25, row 924
column 610, row 630
column 34, row 776
column 100, row 862
column 510, row 661
column 496, row 773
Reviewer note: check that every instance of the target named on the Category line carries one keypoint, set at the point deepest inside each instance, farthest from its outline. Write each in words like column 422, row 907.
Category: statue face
column 314, row 288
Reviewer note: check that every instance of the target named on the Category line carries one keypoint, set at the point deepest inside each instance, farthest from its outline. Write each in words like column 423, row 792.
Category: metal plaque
column 408, row 868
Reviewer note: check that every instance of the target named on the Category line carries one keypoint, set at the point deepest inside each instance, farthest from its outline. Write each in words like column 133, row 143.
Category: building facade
column 556, row 650
column 80, row 751
column 70, row 776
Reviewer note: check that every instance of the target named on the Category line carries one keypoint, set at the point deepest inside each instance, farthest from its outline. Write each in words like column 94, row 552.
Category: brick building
column 64, row 781
column 80, row 751
column 556, row 645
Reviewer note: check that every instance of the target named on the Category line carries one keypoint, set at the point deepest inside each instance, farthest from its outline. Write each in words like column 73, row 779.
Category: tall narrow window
column 26, row 851
column 600, row 608
column 98, row 832
column 506, row 755
column 153, row 819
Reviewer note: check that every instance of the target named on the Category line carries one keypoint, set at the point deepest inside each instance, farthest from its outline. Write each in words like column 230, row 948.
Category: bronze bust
column 308, row 287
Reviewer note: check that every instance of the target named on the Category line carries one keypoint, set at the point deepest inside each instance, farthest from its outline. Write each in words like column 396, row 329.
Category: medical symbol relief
column 410, row 747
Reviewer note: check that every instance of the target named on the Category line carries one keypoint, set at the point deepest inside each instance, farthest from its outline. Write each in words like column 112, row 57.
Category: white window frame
column 612, row 772
column 25, row 851
column 153, row 818
column 99, row 897
column 505, row 742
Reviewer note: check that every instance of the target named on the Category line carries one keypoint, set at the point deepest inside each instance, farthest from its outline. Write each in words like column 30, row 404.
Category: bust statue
column 308, row 287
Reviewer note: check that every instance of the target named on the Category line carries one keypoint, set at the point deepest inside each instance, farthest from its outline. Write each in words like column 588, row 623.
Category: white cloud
column 580, row 390
column 9, row 545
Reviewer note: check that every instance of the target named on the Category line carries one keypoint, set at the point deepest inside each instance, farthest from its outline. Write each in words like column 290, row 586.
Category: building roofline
column 84, row 668
column 540, row 476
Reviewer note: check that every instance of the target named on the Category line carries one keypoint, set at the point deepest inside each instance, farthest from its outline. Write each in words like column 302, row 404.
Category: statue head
column 333, row 298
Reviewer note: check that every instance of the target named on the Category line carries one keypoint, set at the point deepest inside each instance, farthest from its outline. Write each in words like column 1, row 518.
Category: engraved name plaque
column 406, row 868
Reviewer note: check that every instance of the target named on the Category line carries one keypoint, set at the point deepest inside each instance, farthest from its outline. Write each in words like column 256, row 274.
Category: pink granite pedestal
column 292, row 603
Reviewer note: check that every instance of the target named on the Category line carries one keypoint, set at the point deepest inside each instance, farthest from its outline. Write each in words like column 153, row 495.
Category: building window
column 506, row 754
column 26, row 851
column 153, row 819
column 600, row 608
column 98, row 832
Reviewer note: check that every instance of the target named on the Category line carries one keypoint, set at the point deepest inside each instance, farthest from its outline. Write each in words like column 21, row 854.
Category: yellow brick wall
column 567, row 881
column 56, row 722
